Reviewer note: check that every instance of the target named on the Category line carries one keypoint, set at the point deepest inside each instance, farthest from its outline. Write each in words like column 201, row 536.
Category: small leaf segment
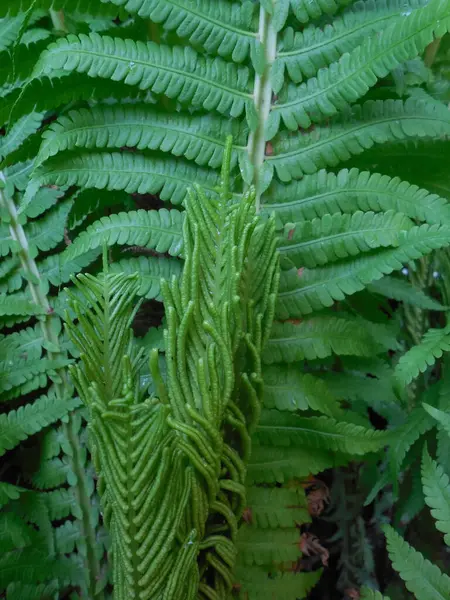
column 172, row 466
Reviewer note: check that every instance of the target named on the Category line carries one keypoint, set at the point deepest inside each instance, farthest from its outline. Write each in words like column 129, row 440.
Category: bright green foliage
column 421, row 577
column 420, row 357
column 136, row 112
column 167, row 468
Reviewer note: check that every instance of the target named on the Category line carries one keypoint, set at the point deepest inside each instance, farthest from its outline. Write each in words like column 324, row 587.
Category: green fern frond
column 30, row 566
column 319, row 337
column 436, row 489
column 19, row 132
column 368, row 594
column 266, row 546
column 179, row 73
column 421, row 577
column 222, row 28
column 151, row 270
column 19, row 591
column 284, row 429
column 19, row 424
column 303, row 53
column 286, row 388
column 196, row 138
column 351, row 190
column 255, row 583
column 45, row 198
column 9, row 492
column 57, row 270
column 442, row 417
column 337, row 236
column 355, row 131
column 281, row 464
column 355, row 73
column 9, row 28
column 302, row 292
column 404, row 291
column 17, row 306
column 169, row 178
column 47, row 232
column 273, row 508
column 420, row 357
column 158, row 230
column 307, row 10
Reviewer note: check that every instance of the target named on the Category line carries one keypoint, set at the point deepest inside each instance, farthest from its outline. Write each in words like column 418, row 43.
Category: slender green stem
column 61, row 382
column 262, row 98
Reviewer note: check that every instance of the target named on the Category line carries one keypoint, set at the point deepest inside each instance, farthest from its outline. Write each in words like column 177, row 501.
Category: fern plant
column 144, row 94
column 423, row 578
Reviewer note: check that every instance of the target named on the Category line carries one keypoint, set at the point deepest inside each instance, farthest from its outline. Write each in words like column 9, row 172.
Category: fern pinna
column 145, row 93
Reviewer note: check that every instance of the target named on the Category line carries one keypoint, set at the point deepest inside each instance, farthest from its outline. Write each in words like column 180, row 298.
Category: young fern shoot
column 172, row 468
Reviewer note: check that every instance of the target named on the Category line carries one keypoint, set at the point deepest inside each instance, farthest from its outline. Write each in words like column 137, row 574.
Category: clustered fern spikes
column 138, row 98
column 173, row 467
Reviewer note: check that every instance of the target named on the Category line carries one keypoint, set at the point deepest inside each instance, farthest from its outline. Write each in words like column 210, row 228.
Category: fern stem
column 61, row 382
column 263, row 99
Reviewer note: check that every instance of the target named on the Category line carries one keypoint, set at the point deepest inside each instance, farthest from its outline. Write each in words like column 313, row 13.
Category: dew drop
column 131, row 64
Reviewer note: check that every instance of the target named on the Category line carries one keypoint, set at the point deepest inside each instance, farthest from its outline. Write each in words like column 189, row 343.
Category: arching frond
column 319, row 337
column 284, row 429
column 150, row 270
column 307, row 290
column 158, row 230
column 200, row 139
column 225, row 28
column 375, row 122
column 336, row 236
column 350, row 190
column 419, row 358
column 19, row 424
column 177, row 72
column 169, row 178
column 421, row 577
column 303, row 53
column 404, row 291
column 19, row 132
column 286, row 388
column 355, row 73
column 436, row 489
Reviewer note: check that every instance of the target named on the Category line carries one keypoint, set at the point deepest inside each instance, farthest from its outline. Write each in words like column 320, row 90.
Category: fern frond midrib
column 352, row 73
column 336, row 236
column 344, row 191
column 326, row 42
column 146, row 64
column 351, row 131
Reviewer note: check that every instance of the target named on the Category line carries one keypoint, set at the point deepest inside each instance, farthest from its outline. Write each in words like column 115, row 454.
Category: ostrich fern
column 142, row 95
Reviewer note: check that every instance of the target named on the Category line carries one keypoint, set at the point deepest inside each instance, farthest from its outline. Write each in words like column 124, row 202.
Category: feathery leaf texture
column 132, row 173
column 436, row 490
column 420, row 357
column 303, row 53
column 178, row 72
column 356, row 72
column 161, row 490
column 321, row 336
column 158, row 230
column 19, row 424
column 222, row 28
column 286, row 388
column 421, row 577
column 349, row 191
column 303, row 291
column 337, row 236
column 356, row 130
column 284, row 429
column 196, row 138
